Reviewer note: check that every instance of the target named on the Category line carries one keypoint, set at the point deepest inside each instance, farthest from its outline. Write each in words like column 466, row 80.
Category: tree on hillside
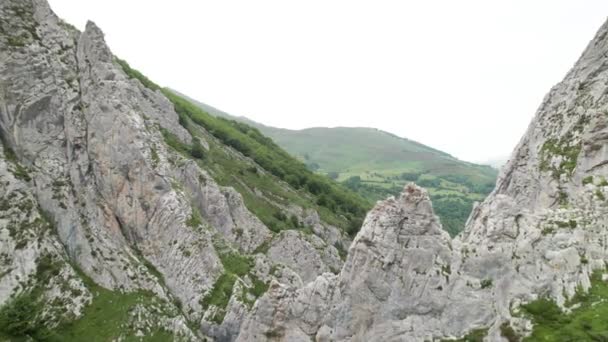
column 198, row 151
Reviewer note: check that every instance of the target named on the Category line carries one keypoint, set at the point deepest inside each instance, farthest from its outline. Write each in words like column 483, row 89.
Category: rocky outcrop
column 90, row 187
column 88, row 148
column 396, row 277
column 31, row 258
column 541, row 233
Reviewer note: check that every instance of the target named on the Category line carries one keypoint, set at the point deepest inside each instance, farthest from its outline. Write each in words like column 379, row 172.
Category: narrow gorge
column 127, row 214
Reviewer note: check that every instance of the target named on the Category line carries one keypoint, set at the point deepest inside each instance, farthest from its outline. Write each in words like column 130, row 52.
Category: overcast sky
column 462, row 76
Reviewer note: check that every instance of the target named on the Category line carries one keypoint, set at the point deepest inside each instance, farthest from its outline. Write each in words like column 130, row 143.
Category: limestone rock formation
column 89, row 181
column 95, row 198
column 541, row 233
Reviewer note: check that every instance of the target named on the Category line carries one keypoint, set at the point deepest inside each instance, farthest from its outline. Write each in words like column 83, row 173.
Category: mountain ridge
column 218, row 112
column 128, row 213
column 378, row 164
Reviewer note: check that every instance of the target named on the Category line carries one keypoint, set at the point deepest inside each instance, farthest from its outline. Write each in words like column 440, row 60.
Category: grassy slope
column 586, row 322
column 284, row 180
column 377, row 164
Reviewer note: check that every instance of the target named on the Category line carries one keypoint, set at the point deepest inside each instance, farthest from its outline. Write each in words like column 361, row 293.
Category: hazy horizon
column 465, row 78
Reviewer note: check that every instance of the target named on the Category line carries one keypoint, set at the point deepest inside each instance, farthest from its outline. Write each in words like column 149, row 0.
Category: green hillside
column 283, row 180
column 377, row 164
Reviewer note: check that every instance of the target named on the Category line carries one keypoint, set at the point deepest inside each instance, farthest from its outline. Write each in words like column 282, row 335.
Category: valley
column 377, row 164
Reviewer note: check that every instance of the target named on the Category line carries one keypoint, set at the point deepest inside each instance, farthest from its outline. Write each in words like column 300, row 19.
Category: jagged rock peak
column 411, row 211
column 92, row 181
column 93, row 40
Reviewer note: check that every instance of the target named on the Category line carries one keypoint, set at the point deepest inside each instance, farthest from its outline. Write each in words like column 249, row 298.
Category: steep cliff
column 103, row 201
column 533, row 249
column 127, row 214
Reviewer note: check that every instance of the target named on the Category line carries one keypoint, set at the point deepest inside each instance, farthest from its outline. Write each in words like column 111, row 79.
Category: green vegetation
column 485, row 283
column 559, row 147
column 219, row 295
column 18, row 170
column 586, row 322
column 337, row 204
column 195, row 219
column 23, row 32
column 132, row 73
column 369, row 162
column 104, row 319
column 154, row 156
column 377, row 164
column 507, row 332
column 453, row 196
column 235, row 266
column 566, row 224
column 19, row 318
column 476, row 335
column 198, row 151
column 22, row 316
column 588, row 180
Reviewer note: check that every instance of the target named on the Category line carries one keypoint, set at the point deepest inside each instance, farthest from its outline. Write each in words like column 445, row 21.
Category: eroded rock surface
column 90, row 188
column 86, row 146
column 541, row 233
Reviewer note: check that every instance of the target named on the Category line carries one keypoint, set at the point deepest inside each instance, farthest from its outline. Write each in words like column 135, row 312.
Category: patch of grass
column 256, row 290
column 600, row 195
column 559, row 147
column 476, row 335
column 485, row 283
column 236, row 264
column 20, row 318
column 587, row 322
column 220, row 293
column 195, row 219
column 259, row 287
column 132, row 73
column 173, row 141
column 339, row 203
column 453, row 195
column 19, row 171
column 562, row 198
column 154, row 156
column 507, row 332
column 106, row 317
column 588, row 180
column 566, row 224
column 340, row 206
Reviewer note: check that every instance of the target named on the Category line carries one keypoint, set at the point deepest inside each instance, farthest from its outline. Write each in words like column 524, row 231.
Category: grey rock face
column 223, row 208
column 125, row 208
column 540, row 233
column 396, row 276
column 308, row 255
column 93, row 186
column 26, row 243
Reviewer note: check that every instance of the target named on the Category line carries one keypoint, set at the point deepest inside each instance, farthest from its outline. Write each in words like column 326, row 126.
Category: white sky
column 462, row 76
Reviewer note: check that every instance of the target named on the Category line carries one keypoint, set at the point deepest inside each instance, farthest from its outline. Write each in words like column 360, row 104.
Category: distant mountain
column 377, row 164
column 496, row 162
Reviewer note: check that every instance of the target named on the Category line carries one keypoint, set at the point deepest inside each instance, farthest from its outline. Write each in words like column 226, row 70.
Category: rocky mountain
column 116, row 218
column 377, row 164
column 530, row 264
column 127, row 213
